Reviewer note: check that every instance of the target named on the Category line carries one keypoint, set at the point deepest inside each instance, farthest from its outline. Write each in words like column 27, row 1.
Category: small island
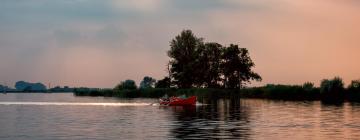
column 212, row 70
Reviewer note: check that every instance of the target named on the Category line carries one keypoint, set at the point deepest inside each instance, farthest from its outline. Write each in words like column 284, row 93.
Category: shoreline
column 280, row 92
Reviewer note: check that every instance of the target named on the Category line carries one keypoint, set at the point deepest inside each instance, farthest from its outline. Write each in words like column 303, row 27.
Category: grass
column 157, row 92
column 276, row 92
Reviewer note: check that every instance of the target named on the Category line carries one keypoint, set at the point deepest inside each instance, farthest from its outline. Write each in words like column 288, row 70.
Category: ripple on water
column 63, row 116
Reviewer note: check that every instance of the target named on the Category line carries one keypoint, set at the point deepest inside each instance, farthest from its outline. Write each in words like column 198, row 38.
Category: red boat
column 176, row 101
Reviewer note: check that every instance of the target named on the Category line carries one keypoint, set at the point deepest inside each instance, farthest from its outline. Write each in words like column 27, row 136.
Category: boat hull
column 180, row 102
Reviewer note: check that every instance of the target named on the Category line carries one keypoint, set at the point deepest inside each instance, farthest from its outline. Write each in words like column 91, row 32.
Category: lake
column 62, row 116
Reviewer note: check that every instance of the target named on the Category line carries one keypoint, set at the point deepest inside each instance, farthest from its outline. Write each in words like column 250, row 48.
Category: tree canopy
column 147, row 82
column 127, row 84
column 354, row 86
column 184, row 52
column 195, row 63
column 163, row 83
column 335, row 85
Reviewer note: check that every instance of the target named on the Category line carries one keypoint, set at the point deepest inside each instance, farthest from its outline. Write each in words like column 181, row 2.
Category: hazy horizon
column 100, row 43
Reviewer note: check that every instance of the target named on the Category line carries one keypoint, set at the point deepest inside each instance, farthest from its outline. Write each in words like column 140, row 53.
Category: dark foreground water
column 64, row 116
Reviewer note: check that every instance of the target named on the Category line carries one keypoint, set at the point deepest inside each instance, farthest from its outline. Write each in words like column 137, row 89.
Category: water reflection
column 220, row 119
column 259, row 119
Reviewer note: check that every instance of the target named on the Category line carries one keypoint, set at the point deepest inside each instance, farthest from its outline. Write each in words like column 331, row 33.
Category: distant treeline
column 330, row 90
column 27, row 87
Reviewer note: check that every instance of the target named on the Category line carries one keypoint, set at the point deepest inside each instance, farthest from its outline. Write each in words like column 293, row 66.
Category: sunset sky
column 98, row 43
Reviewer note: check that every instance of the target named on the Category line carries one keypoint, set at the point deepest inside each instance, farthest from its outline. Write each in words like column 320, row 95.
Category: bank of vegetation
column 212, row 70
column 330, row 90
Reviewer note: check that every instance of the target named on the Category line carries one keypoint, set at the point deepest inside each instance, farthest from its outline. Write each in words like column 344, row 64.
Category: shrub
column 332, row 90
column 127, row 84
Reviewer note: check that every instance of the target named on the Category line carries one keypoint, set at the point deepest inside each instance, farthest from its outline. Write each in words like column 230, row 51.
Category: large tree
column 208, row 65
column 237, row 67
column 197, row 64
column 332, row 91
column 163, row 83
column 183, row 54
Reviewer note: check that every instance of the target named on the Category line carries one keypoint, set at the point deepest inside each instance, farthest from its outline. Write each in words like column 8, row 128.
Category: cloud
column 139, row 6
column 66, row 38
column 106, row 36
column 290, row 41
column 110, row 34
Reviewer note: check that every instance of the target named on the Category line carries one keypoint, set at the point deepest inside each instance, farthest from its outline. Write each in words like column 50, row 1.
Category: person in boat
column 168, row 99
column 181, row 100
column 174, row 98
column 165, row 98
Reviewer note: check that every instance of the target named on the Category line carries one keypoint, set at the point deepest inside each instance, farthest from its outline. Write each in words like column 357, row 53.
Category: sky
column 98, row 43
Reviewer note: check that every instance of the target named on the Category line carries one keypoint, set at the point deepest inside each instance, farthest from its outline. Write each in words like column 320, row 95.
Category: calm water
column 64, row 116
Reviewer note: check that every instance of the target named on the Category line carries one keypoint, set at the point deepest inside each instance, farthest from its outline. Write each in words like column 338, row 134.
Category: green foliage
column 183, row 54
column 353, row 91
column 237, row 66
column 163, row 83
column 92, row 92
column 332, row 90
column 127, row 84
column 147, row 82
column 281, row 92
column 211, row 65
column 159, row 92
column 308, row 86
column 354, row 85
column 335, row 85
column 208, row 66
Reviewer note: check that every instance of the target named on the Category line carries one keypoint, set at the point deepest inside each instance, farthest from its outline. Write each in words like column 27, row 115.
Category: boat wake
column 200, row 104
column 74, row 104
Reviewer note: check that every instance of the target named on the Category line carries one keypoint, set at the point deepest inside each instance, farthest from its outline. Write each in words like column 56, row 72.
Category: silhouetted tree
column 127, row 84
column 236, row 67
column 183, row 54
column 355, row 84
column 163, row 83
column 334, row 85
column 147, row 82
column 308, row 86
column 208, row 70
column 332, row 90
column 197, row 64
column 353, row 91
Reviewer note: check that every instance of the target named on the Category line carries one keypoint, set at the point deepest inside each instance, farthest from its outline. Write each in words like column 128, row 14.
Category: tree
column 335, row 85
column 194, row 63
column 127, row 84
column 308, row 86
column 236, row 67
column 355, row 84
column 183, row 54
column 163, row 83
column 208, row 65
column 354, row 87
column 332, row 90
column 147, row 82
